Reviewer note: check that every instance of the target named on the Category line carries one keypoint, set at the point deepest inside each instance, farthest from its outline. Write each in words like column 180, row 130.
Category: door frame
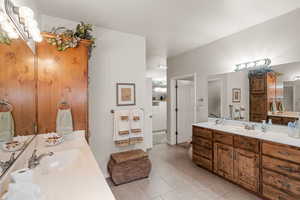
column 172, row 139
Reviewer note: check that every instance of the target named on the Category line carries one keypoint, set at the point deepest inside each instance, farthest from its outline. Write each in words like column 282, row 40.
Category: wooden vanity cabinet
column 203, row 147
column 280, row 171
column 223, row 160
column 246, row 169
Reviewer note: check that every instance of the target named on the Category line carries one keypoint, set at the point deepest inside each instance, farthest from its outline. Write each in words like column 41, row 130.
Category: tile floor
column 175, row 177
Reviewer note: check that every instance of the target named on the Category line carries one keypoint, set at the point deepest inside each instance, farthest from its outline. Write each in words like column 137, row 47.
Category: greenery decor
column 4, row 39
column 260, row 71
column 67, row 38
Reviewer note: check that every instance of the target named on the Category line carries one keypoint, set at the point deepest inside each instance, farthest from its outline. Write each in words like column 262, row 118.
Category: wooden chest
column 129, row 166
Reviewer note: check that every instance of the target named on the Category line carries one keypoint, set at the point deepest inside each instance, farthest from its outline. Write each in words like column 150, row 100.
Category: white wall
column 118, row 57
column 277, row 39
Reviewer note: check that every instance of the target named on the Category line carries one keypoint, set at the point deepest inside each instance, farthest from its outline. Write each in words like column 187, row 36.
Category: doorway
column 183, row 109
column 214, row 88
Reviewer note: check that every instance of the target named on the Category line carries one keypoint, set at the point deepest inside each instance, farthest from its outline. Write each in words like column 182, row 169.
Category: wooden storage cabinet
column 262, row 92
column 270, row 170
column 246, row 143
column 223, row 160
column 246, row 169
column 282, row 120
column 203, row 147
column 281, row 171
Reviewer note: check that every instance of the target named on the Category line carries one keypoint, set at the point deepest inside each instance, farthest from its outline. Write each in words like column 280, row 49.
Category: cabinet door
column 257, row 84
column 258, row 107
column 223, row 160
column 246, row 169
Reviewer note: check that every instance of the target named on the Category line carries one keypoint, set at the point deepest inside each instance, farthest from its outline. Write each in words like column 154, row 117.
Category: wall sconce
column 254, row 64
column 19, row 21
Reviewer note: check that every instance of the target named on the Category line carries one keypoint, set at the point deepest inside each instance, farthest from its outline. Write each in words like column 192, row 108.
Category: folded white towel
column 7, row 129
column 121, row 127
column 136, row 126
column 64, row 122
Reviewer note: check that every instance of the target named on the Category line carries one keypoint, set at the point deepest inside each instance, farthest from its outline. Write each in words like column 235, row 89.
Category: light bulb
column 26, row 13
column 2, row 17
column 6, row 26
column 31, row 23
column 13, row 35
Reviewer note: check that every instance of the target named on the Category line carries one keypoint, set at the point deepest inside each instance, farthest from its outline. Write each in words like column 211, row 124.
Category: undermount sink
column 59, row 161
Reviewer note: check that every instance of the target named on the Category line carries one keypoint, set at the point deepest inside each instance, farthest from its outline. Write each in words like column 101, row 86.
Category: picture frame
column 236, row 95
column 126, row 95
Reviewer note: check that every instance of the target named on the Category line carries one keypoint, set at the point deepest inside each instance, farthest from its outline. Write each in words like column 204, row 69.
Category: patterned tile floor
column 175, row 177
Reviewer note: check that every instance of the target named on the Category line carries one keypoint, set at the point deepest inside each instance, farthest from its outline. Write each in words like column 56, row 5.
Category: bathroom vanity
column 267, row 164
column 71, row 173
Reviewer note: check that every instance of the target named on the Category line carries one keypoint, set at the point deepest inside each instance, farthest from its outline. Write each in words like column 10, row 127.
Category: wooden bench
column 129, row 166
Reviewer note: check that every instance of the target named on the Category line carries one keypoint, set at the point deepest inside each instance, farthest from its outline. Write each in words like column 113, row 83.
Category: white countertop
column 71, row 173
column 278, row 134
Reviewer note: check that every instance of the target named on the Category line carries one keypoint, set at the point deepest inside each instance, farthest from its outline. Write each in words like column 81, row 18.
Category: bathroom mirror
column 256, row 95
column 17, row 100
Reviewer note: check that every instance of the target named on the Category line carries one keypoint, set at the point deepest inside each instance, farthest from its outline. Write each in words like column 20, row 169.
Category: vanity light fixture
column 19, row 21
column 254, row 64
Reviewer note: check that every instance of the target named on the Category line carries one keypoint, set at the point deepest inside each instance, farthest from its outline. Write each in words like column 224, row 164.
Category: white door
column 148, row 114
column 185, row 105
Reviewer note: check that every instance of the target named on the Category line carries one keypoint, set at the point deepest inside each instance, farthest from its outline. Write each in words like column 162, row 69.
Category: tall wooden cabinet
column 35, row 85
column 62, row 77
column 18, row 85
column 262, row 93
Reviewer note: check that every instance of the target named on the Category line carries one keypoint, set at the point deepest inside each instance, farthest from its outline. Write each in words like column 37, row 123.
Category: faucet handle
column 34, row 154
column 12, row 157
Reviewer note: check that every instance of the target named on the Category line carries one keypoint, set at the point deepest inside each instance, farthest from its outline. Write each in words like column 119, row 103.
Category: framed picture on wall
column 236, row 95
column 126, row 94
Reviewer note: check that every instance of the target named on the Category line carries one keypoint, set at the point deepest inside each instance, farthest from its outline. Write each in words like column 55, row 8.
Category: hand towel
column 64, row 122
column 121, row 128
column 7, row 130
column 136, row 126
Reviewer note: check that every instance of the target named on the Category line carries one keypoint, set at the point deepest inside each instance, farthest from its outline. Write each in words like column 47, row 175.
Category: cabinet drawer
column 273, row 194
column 202, row 142
column 283, row 167
column 202, row 132
column 290, row 186
column 203, row 162
column 246, row 143
column 281, row 151
column 224, row 138
column 202, row 151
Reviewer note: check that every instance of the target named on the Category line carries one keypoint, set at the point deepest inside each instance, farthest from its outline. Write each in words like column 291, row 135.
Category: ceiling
column 171, row 27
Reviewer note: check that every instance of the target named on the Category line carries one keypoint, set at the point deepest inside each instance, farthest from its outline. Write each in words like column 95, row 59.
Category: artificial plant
column 67, row 38
column 4, row 39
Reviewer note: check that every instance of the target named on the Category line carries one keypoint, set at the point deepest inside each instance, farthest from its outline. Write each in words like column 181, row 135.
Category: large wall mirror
column 17, row 100
column 272, row 94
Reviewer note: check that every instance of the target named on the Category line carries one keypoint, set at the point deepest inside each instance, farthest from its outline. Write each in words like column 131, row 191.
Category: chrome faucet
column 220, row 121
column 250, row 126
column 6, row 164
column 35, row 160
